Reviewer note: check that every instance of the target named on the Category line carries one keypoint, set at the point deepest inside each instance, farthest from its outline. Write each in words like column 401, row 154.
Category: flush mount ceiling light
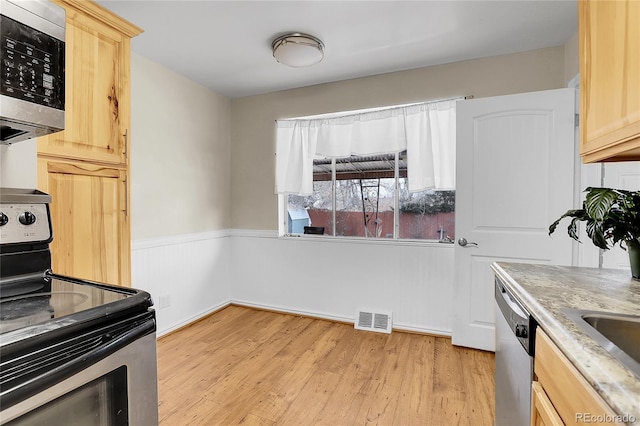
column 298, row 50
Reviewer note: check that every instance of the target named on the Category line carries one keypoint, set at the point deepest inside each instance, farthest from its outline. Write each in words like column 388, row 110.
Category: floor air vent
column 373, row 321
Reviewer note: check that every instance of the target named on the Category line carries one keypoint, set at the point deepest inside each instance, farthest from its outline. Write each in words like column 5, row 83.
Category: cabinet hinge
column 576, row 120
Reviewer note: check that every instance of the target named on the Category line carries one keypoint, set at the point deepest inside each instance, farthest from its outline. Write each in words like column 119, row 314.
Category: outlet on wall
column 164, row 301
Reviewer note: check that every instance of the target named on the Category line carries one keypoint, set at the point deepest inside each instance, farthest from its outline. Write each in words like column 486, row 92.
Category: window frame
column 283, row 219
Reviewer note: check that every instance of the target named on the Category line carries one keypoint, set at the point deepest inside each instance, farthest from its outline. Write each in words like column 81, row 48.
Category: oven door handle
column 110, row 345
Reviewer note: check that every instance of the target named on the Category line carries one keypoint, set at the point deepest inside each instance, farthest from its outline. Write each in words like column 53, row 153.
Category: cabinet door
column 543, row 412
column 569, row 394
column 610, row 79
column 96, row 93
column 90, row 219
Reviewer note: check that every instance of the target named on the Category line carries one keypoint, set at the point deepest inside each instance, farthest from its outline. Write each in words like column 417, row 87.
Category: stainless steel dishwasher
column 515, row 342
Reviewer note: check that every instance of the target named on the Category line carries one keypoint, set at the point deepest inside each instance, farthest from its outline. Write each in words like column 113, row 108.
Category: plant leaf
column 599, row 202
column 579, row 214
column 573, row 228
column 596, row 233
column 612, row 216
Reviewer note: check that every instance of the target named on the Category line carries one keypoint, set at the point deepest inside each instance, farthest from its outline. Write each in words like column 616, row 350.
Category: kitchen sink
column 619, row 334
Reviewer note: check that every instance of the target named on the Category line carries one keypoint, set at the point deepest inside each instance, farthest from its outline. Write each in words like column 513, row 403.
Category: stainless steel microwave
column 32, row 35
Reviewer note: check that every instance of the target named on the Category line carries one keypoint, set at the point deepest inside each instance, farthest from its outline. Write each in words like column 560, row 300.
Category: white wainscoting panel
column 331, row 278
column 188, row 276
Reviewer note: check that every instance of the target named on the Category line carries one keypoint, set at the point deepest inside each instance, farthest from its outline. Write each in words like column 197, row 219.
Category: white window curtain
column 427, row 131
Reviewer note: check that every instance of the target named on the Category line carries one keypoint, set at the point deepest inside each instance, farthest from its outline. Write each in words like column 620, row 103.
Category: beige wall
column 571, row 64
column 180, row 154
column 253, row 202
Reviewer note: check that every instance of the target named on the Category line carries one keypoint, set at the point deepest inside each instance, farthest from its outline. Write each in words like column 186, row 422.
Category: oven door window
column 101, row 402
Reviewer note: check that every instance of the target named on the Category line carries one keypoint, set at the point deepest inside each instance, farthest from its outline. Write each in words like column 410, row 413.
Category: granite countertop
column 545, row 290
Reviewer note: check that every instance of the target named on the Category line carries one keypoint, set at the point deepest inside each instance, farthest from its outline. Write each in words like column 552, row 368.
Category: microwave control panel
column 32, row 64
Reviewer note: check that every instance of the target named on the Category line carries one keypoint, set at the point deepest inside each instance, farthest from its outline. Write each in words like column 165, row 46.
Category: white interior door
column 515, row 161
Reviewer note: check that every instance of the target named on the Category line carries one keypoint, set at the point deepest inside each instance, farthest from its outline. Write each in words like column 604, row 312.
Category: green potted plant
column 612, row 216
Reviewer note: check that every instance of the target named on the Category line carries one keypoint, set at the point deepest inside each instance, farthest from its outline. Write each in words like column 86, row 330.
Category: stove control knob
column 3, row 219
column 27, row 218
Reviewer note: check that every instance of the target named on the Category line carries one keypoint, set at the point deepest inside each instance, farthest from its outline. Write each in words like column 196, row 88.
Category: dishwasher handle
column 511, row 303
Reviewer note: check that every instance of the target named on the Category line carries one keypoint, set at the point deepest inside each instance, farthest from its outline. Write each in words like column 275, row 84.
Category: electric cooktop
column 56, row 301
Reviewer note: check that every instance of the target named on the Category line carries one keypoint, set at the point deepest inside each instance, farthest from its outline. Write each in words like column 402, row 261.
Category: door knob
column 462, row 242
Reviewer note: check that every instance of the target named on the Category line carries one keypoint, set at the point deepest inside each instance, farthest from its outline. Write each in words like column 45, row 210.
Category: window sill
column 362, row 240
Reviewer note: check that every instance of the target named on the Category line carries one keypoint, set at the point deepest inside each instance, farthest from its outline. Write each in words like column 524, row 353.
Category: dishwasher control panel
column 521, row 323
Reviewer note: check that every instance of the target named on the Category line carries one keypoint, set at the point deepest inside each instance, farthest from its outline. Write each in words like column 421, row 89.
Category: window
column 371, row 200
column 428, row 215
column 387, row 173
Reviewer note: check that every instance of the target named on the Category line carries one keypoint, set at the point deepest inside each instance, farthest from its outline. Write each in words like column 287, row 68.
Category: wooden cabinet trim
column 621, row 140
column 103, row 15
column 83, row 170
column 630, row 151
column 77, row 159
column 542, row 410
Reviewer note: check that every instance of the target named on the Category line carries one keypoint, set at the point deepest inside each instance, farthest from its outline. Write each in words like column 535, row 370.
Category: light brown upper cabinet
column 609, row 45
column 97, row 105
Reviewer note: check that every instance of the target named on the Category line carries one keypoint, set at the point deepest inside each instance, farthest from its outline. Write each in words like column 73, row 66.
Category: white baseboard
column 420, row 330
column 396, row 327
column 292, row 311
column 192, row 319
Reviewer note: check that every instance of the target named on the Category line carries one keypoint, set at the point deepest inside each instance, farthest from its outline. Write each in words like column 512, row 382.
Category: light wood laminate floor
column 246, row 366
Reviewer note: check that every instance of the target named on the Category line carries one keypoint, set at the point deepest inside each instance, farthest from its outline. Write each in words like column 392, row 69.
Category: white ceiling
column 226, row 45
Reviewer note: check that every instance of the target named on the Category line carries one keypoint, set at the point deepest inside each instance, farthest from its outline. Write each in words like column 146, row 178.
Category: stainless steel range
column 73, row 352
